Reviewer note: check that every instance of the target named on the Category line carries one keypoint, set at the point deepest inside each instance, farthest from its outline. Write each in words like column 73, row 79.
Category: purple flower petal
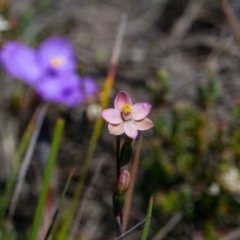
column 20, row 62
column 49, row 89
column 144, row 124
column 72, row 98
column 57, row 54
column 63, row 90
column 140, row 110
column 71, row 80
column 90, row 86
column 116, row 129
column 130, row 129
column 112, row 116
column 121, row 99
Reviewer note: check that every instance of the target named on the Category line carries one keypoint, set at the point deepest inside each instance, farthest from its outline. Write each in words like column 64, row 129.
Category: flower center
column 126, row 113
column 56, row 62
column 127, row 109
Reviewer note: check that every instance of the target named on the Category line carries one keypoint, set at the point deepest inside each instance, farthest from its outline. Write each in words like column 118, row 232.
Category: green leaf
column 147, row 223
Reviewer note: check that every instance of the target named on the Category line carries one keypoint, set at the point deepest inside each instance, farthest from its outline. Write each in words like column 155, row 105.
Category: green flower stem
column 47, row 176
column 119, row 218
column 123, row 157
column 118, row 142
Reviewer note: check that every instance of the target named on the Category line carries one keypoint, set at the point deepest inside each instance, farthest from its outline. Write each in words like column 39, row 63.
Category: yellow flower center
column 56, row 62
column 127, row 109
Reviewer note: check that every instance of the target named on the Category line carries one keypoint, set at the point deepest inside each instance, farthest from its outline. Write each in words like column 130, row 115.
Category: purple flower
column 127, row 117
column 50, row 69
column 89, row 86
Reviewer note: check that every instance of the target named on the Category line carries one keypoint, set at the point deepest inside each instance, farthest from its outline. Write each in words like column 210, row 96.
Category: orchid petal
column 130, row 130
column 116, row 129
column 19, row 60
column 140, row 110
column 121, row 99
column 112, row 116
column 144, row 124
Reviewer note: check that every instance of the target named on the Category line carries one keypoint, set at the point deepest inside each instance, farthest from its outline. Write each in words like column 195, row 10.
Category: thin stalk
column 118, row 142
column 119, row 218
column 97, row 127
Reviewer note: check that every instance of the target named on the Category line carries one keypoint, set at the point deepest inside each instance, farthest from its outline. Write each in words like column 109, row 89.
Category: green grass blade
column 47, row 176
column 147, row 223
column 59, row 204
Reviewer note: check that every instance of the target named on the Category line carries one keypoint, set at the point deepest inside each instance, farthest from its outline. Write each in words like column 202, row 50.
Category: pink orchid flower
column 127, row 117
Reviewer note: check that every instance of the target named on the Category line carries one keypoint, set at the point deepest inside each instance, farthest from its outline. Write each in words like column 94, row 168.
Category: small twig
column 132, row 229
column 232, row 19
column 233, row 235
column 169, row 226
column 26, row 161
column 119, row 224
column 84, row 201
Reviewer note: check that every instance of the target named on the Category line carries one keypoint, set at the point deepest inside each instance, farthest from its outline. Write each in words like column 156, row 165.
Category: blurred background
column 179, row 55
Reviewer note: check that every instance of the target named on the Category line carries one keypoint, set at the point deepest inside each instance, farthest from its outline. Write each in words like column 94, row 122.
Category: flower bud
column 123, row 182
column 126, row 153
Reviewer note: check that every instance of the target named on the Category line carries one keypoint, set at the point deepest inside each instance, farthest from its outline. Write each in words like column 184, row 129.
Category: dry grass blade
column 232, row 19
column 169, row 226
column 26, row 161
column 132, row 229
column 84, row 201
